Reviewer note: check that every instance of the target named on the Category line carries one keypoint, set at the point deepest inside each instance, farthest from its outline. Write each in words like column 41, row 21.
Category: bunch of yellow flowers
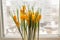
column 30, row 17
column 26, row 15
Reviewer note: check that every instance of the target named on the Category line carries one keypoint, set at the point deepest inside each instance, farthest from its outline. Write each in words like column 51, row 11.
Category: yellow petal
column 24, row 8
column 15, row 18
column 18, row 24
column 22, row 17
column 33, row 17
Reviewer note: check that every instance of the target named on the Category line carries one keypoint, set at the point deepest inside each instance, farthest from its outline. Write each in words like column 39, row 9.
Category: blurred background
column 49, row 22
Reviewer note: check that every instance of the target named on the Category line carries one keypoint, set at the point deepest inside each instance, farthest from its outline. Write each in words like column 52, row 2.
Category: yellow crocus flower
column 16, row 22
column 28, row 15
column 21, row 11
column 38, row 18
column 23, row 17
column 24, row 7
column 27, row 18
column 33, row 17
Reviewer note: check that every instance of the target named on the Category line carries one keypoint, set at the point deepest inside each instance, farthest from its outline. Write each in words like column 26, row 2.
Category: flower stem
column 21, row 34
column 38, row 30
